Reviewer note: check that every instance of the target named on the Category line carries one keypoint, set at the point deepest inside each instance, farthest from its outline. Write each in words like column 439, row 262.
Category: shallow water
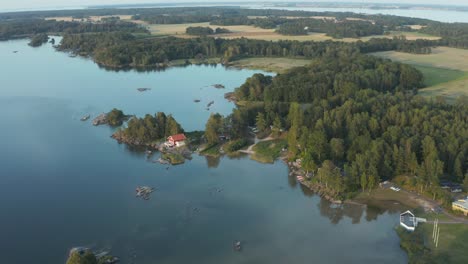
column 65, row 183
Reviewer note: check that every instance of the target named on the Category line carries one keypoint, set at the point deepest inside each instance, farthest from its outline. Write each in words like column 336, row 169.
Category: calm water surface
column 65, row 183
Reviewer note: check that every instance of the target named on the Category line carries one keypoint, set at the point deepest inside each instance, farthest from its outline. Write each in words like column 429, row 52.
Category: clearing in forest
column 445, row 70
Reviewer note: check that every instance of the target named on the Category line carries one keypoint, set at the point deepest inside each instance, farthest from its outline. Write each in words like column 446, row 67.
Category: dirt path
column 249, row 150
column 428, row 203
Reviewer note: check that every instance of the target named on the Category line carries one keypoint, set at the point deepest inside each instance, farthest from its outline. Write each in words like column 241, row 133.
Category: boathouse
column 176, row 140
column 408, row 221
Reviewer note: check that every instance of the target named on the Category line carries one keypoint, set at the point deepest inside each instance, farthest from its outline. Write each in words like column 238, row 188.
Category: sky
column 8, row 5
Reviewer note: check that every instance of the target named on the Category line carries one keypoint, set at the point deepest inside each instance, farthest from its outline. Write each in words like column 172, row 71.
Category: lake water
column 65, row 183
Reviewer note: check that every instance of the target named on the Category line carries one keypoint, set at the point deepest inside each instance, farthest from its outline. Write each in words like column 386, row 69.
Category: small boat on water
column 15, row 51
column 143, row 89
column 237, row 246
column 86, row 117
column 210, row 104
column 197, row 100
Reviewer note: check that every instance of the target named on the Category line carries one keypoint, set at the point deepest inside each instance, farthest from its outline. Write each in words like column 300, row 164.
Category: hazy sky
column 35, row 4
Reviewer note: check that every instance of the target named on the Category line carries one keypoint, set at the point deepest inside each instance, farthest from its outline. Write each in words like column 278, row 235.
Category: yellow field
column 441, row 61
column 441, row 57
column 252, row 32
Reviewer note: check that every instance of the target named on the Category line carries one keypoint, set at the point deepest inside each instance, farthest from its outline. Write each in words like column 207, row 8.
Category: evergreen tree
column 260, row 122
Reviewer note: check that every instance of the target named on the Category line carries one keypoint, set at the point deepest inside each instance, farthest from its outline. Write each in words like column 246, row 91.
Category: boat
column 210, row 104
column 86, row 117
column 237, row 246
column 143, row 89
column 197, row 100
column 15, row 51
column 218, row 86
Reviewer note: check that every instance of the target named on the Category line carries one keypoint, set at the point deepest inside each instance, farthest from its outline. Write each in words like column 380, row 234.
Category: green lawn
column 453, row 242
column 268, row 151
column 434, row 76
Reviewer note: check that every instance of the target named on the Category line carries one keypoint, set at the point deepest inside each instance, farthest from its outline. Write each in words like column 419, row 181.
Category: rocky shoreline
column 295, row 170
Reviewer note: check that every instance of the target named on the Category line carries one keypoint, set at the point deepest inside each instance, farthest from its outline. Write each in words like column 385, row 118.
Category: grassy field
column 278, row 65
column 441, row 57
column 252, row 32
column 445, row 70
column 453, row 242
column 268, row 151
column 434, row 76
column 386, row 199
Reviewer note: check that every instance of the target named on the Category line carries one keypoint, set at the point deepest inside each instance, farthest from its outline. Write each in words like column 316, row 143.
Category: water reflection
column 149, row 69
column 337, row 212
column 212, row 162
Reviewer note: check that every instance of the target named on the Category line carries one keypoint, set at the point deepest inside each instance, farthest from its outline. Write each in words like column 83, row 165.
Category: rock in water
column 100, row 120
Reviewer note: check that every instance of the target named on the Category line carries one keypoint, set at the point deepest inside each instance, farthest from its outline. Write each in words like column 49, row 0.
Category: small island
column 114, row 118
column 38, row 40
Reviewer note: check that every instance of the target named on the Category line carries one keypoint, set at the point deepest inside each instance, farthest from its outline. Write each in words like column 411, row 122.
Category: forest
column 22, row 28
column 140, row 131
column 204, row 31
column 119, row 50
column 363, row 126
column 337, row 29
column 38, row 40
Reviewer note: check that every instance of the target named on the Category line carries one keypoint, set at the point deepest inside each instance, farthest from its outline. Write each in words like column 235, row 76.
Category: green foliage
column 199, row 31
column 174, row 158
column 329, row 176
column 214, row 128
column 38, row 40
column 236, row 145
column 115, row 117
column 277, row 126
column 413, row 244
column 336, row 29
column 260, row 122
column 15, row 28
column 268, row 151
column 222, row 31
column 87, row 258
column 332, row 75
column 151, row 128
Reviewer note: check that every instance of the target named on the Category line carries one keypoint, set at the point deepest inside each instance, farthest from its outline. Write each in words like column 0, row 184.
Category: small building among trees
column 176, row 140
